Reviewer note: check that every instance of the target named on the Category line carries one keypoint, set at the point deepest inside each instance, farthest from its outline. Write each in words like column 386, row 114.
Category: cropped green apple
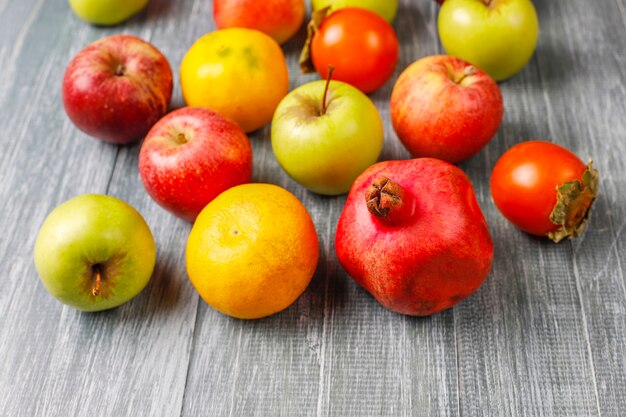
column 325, row 139
column 386, row 8
column 499, row 36
column 107, row 12
column 94, row 252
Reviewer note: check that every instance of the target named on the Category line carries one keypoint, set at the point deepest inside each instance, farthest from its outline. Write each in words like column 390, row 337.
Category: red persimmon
column 544, row 189
column 360, row 45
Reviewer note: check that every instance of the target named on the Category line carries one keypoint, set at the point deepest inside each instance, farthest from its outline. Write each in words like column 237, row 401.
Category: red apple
column 280, row 19
column 413, row 235
column 446, row 108
column 191, row 156
column 117, row 88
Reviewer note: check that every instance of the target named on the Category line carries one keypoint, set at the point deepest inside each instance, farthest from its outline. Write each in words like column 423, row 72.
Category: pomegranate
column 412, row 234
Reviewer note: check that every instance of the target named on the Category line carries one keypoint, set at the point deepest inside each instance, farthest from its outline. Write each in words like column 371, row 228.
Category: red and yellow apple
column 191, row 156
column 280, row 19
column 446, row 108
column 117, row 88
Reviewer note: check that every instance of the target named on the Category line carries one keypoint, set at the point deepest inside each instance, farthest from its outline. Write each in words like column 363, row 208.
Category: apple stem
column 95, row 291
column 181, row 138
column 388, row 201
column 487, row 2
column 468, row 71
column 328, row 78
column 120, row 70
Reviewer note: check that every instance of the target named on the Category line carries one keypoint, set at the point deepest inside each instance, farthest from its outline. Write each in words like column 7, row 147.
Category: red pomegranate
column 412, row 234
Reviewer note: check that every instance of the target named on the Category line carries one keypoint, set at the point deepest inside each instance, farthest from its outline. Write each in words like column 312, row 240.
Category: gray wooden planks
column 129, row 361
column 544, row 336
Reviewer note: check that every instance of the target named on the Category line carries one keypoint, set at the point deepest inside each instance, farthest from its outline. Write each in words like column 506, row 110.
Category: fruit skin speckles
column 251, row 58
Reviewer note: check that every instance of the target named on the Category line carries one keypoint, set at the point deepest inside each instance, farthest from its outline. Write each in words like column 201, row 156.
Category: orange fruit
column 240, row 73
column 252, row 251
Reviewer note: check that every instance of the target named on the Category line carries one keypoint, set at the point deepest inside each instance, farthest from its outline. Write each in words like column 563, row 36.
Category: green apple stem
column 388, row 201
column 328, row 78
column 467, row 71
column 95, row 291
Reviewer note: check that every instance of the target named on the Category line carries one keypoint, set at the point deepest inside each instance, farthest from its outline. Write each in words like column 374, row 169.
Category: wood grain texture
column 132, row 360
column 544, row 336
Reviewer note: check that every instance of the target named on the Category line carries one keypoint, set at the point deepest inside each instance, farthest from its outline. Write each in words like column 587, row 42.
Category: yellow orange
column 240, row 73
column 252, row 251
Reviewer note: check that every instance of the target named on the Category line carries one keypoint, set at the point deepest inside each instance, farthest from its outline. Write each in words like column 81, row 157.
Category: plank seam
column 620, row 6
column 110, row 180
column 328, row 315
column 236, row 373
column 575, row 267
column 17, row 48
column 458, row 367
column 190, row 351
column 587, row 340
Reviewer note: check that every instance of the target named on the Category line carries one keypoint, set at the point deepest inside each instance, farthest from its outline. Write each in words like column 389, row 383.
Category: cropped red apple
column 280, row 19
column 190, row 156
column 446, row 108
column 117, row 88
column 413, row 235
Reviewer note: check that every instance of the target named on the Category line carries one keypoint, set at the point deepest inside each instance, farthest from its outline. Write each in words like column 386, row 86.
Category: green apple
column 499, row 36
column 94, row 252
column 325, row 134
column 386, row 8
column 107, row 12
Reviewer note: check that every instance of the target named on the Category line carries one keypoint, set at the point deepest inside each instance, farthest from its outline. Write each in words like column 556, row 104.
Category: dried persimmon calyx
column 573, row 203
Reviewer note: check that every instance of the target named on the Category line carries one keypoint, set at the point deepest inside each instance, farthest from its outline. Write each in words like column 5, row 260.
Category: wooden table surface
column 544, row 336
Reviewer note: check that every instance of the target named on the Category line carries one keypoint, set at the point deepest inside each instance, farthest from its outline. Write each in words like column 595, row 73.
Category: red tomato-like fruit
column 360, row 45
column 544, row 189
